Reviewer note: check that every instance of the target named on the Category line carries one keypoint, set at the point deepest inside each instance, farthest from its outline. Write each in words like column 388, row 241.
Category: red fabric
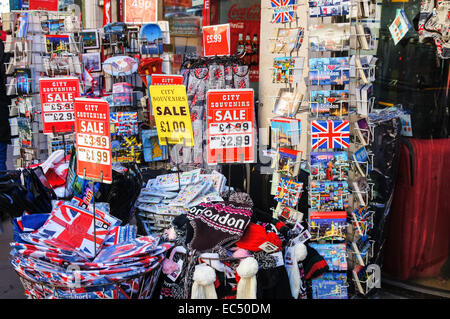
column 279, row 225
column 418, row 237
column 255, row 235
column 315, row 268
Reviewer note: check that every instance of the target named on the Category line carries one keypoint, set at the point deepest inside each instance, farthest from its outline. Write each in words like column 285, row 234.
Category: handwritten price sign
column 93, row 142
column 57, row 95
column 172, row 117
column 230, row 126
column 216, row 40
column 141, row 11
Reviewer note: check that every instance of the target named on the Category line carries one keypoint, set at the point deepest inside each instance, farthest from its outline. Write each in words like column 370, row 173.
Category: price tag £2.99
column 93, row 142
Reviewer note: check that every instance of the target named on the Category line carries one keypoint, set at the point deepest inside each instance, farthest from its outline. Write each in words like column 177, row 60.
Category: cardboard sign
column 141, row 11
column 164, row 79
column 57, row 95
column 93, row 139
column 216, row 40
column 172, row 116
column 48, row 5
column 230, row 126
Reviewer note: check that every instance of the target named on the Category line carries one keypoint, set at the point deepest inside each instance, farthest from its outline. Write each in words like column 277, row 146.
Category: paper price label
column 90, row 140
column 92, row 128
column 230, row 141
column 216, row 40
column 94, row 156
column 51, row 107
column 57, row 96
column 59, row 117
column 232, row 127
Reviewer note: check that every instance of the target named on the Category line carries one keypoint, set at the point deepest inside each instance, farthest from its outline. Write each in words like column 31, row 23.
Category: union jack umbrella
column 330, row 134
column 284, row 10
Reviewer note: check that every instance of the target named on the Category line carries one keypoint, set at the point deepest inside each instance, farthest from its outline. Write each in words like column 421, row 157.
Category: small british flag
column 284, row 10
column 330, row 134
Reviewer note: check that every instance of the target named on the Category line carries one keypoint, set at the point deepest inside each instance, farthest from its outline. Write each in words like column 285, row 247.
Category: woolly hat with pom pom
column 203, row 286
column 298, row 254
column 247, row 269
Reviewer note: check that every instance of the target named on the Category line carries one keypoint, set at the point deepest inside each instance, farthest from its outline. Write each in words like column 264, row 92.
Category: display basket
column 141, row 286
column 155, row 222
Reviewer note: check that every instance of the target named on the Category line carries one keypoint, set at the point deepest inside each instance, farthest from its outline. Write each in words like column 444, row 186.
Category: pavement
column 10, row 285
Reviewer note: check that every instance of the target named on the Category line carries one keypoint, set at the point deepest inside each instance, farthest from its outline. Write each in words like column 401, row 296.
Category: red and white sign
column 48, row 5
column 93, row 139
column 230, row 126
column 216, row 40
column 57, row 95
column 140, row 11
column 206, row 12
column 166, row 79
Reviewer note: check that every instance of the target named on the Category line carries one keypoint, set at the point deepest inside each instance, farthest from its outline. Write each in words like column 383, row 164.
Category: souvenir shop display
column 132, row 193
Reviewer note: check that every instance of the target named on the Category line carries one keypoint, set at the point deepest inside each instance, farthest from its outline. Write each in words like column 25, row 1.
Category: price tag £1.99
column 93, row 142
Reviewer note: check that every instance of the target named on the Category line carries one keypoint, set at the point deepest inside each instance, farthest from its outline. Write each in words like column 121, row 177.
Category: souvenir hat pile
column 73, row 256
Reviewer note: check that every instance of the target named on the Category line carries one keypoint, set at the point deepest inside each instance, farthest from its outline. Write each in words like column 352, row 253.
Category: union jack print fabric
column 284, row 10
column 330, row 134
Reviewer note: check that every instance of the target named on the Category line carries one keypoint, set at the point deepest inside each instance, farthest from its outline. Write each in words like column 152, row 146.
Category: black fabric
column 5, row 129
column 273, row 284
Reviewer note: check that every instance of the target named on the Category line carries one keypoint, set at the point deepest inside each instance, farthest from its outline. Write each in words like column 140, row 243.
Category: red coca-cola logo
column 252, row 13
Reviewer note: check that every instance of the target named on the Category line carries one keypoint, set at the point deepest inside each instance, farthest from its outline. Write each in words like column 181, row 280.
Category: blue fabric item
column 28, row 224
column 3, row 150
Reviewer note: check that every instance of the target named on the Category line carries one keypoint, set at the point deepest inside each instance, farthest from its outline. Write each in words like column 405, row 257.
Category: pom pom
column 248, row 267
column 169, row 266
column 300, row 252
column 204, row 275
column 241, row 198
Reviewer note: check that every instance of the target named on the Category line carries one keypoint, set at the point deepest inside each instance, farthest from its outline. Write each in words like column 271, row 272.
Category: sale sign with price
column 93, row 139
column 57, row 95
column 141, row 11
column 172, row 116
column 230, row 126
column 216, row 40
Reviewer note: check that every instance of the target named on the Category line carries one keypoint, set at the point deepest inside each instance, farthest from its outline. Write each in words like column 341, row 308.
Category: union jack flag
column 330, row 134
column 74, row 227
column 284, row 10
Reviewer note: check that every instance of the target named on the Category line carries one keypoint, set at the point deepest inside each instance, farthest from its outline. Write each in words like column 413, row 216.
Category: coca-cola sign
column 252, row 13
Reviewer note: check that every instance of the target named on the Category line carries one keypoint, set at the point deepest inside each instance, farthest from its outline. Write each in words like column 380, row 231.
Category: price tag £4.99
column 216, row 40
column 93, row 140
column 57, row 95
column 230, row 126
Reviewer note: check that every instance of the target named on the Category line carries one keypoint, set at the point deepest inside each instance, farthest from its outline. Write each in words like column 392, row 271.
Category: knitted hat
column 255, row 235
column 203, row 286
column 217, row 224
column 241, row 198
column 246, row 287
column 299, row 253
column 314, row 264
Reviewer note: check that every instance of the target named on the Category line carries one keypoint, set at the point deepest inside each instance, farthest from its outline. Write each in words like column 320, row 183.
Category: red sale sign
column 93, row 141
column 230, row 126
column 48, row 5
column 57, row 95
column 216, row 40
